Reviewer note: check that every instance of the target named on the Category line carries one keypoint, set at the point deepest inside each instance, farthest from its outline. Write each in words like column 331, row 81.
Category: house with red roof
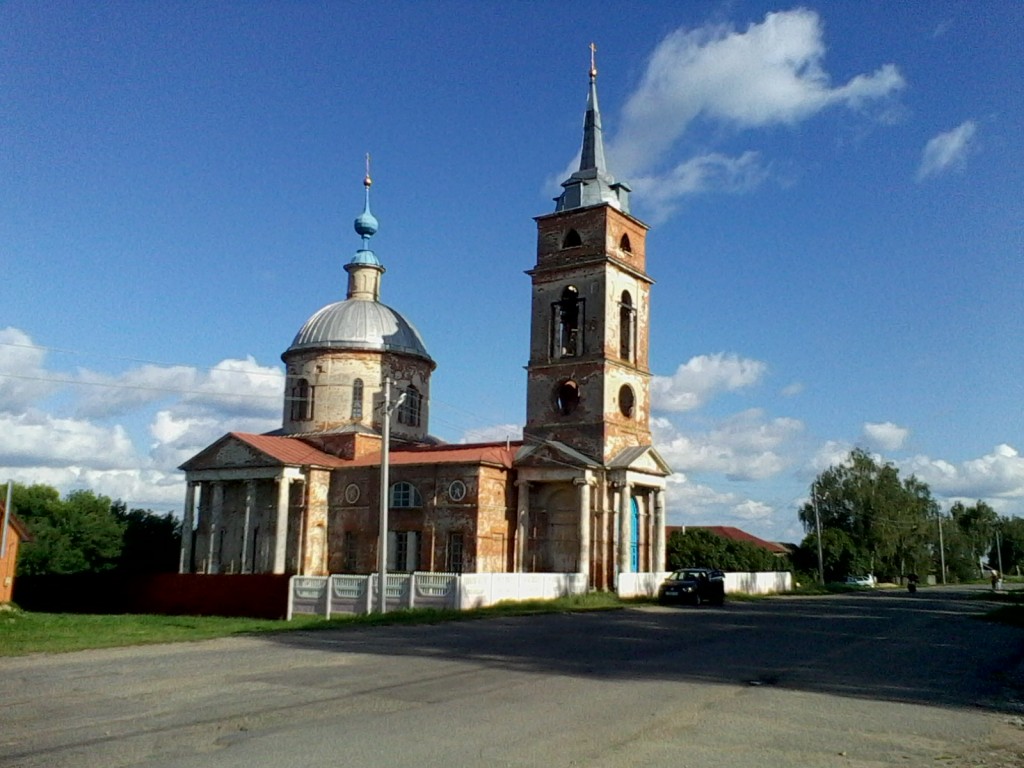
column 733, row 534
column 10, row 540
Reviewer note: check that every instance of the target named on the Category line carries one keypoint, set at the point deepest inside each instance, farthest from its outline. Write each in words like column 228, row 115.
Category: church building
column 582, row 492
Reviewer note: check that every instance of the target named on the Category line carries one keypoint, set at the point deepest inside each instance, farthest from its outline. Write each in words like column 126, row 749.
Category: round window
column 567, row 397
column 351, row 493
column 627, row 400
column 456, row 490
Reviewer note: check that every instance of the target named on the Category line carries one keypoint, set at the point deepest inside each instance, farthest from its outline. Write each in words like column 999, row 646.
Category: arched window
column 567, row 397
column 567, row 324
column 357, row 399
column 624, row 244
column 627, row 327
column 302, row 401
column 404, row 495
column 410, row 411
column 627, row 401
column 572, row 239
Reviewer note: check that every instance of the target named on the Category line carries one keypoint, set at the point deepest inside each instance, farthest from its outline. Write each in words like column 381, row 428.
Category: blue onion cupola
column 361, row 321
column 366, row 225
column 365, row 269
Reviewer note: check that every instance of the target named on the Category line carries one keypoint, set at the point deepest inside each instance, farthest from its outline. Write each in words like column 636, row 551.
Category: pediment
column 643, row 458
column 552, row 454
column 230, row 452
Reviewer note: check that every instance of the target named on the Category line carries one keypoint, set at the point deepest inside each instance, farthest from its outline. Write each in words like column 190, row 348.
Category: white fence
column 754, row 583
column 343, row 593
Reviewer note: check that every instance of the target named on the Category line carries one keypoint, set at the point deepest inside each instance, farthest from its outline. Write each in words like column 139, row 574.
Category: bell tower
column 588, row 378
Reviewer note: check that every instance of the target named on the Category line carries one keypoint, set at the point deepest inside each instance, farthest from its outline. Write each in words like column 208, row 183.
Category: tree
column 888, row 526
column 151, row 542
column 698, row 547
column 77, row 534
column 977, row 525
column 1010, row 551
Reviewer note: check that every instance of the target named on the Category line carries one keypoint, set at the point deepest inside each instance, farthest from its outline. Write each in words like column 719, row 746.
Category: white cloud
column 691, row 503
column 701, row 378
column 182, row 432
column 947, row 151
column 239, row 387
column 998, row 474
column 771, row 73
column 23, row 377
column 885, row 436
column 85, row 450
column 746, row 446
column 38, row 439
column 792, row 390
column 712, row 172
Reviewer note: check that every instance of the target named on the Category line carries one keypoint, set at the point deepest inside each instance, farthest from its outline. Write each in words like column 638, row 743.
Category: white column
column 250, row 505
column 522, row 525
column 583, row 561
column 216, row 513
column 281, row 531
column 659, row 530
column 625, row 515
column 187, row 523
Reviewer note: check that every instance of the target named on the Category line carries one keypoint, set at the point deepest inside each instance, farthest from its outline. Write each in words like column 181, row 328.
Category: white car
column 860, row 581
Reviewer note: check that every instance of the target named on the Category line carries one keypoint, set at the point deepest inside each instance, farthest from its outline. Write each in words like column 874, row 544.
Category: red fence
column 262, row 596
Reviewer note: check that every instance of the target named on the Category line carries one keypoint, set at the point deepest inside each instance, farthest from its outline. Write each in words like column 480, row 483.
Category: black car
column 693, row 586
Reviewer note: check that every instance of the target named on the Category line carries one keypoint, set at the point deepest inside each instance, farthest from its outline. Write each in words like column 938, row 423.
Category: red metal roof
column 293, row 450
column 289, row 450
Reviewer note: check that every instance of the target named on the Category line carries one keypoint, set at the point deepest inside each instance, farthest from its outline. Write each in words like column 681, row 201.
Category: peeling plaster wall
column 484, row 517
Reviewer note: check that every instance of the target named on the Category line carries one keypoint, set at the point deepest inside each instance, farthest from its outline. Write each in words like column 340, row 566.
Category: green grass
column 23, row 632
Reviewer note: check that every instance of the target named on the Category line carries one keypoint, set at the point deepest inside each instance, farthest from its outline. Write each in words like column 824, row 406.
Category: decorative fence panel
column 309, row 595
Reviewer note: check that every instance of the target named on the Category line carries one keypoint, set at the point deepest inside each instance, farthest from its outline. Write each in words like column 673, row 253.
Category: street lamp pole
column 385, row 449
column 817, row 524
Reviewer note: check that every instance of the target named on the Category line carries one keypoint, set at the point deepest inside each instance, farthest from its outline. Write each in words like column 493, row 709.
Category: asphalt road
column 874, row 679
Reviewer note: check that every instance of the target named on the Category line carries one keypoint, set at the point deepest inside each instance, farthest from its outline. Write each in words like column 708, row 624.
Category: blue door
column 634, row 536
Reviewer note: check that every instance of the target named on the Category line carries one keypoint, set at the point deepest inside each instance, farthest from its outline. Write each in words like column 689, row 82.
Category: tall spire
column 365, row 269
column 592, row 184
column 592, row 156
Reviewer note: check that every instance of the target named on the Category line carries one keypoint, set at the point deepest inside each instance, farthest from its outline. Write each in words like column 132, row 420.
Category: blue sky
column 834, row 189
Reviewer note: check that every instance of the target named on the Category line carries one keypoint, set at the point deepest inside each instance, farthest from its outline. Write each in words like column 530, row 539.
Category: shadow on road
column 926, row 649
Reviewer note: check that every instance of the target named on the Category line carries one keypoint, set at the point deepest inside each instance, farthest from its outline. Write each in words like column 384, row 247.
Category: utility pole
column 942, row 550
column 817, row 524
column 999, row 553
column 7, row 517
column 385, row 448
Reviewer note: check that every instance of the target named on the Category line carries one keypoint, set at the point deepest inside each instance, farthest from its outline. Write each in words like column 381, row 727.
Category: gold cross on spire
column 366, row 179
column 593, row 65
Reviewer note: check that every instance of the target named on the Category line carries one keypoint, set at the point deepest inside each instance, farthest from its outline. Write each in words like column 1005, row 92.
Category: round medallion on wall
column 627, row 401
column 456, row 490
column 351, row 493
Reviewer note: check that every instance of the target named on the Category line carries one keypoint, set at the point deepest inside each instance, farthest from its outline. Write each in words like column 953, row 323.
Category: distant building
column 15, row 534
column 732, row 534
column 582, row 492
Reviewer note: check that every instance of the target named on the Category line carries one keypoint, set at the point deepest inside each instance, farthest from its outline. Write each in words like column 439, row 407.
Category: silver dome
column 360, row 324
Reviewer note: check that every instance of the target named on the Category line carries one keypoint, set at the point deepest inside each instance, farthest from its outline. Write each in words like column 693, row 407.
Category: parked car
column 860, row 581
column 693, row 586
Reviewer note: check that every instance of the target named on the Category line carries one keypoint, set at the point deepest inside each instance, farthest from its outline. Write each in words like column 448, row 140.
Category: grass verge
column 22, row 632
